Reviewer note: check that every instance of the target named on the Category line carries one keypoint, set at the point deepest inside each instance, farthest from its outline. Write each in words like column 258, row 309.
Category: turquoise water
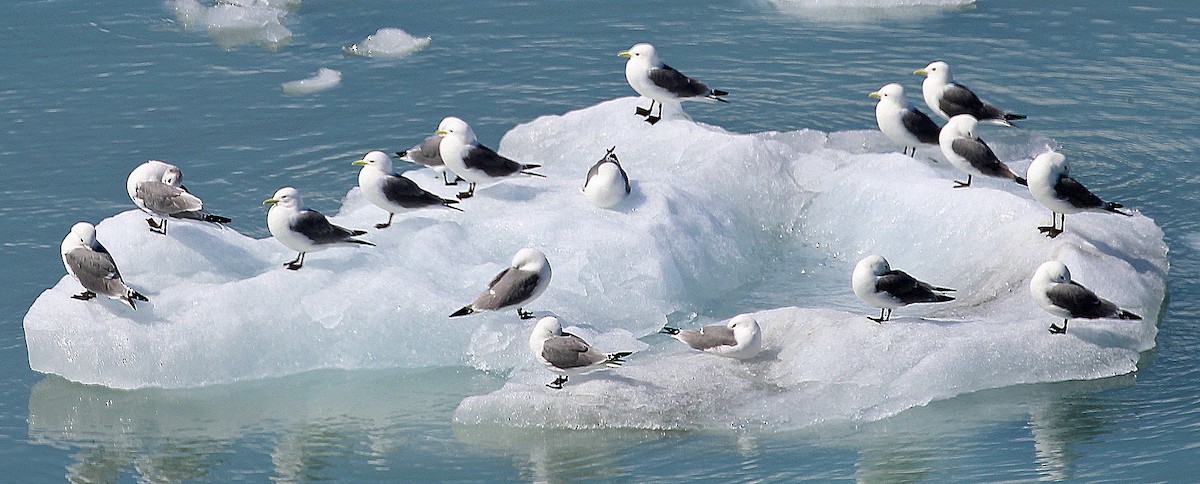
column 90, row 89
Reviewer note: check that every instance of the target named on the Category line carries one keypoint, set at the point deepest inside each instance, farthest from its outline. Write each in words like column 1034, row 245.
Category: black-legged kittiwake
column 904, row 124
column 877, row 284
column 390, row 191
column 567, row 354
column 91, row 264
column 606, row 183
column 167, row 198
column 1056, row 293
column 472, row 161
column 948, row 98
column 302, row 229
column 970, row 154
column 1054, row 189
column 653, row 79
column 739, row 338
column 522, row 282
column 428, row 153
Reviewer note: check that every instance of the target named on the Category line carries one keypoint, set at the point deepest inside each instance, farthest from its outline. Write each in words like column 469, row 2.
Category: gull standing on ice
column 390, row 191
column 653, row 79
column 567, row 354
column 607, row 183
column 948, row 98
column 1056, row 293
column 877, row 284
column 91, row 264
column 520, row 283
column 969, row 153
column 740, row 338
column 167, row 198
column 428, row 153
column 904, row 124
column 303, row 230
column 1054, row 189
column 472, row 161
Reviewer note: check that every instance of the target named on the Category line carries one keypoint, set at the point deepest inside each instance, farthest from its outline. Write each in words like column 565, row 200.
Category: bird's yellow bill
column 270, row 201
column 623, row 53
column 359, row 162
column 874, row 95
column 441, row 132
column 920, row 72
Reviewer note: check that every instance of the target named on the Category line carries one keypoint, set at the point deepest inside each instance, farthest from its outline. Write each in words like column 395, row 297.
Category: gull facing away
column 1056, row 293
column 740, row 338
column 653, row 79
column 948, row 98
column 428, row 153
column 91, row 264
column 877, row 284
column 606, row 183
column 904, row 124
column 390, row 191
column 1052, row 187
column 567, row 354
column 523, row 281
column 167, row 198
column 472, row 161
column 970, row 154
column 302, row 229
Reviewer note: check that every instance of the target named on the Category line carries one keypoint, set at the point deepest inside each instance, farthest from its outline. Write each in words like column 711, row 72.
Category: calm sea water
column 90, row 88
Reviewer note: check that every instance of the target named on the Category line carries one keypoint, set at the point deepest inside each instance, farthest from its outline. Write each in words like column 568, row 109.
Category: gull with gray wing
column 523, row 281
column 653, row 79
column 904, row 124
column 606, row 183
column 1056, row 190
column 390, row 191
column 428, row 153
column 740, row 338
column 877, row 284
column 167, row 198
column 948, row 98
column 472, row 161
column 1057, row 294
column 567, row 354
column 91, row 264
column 302, row 229
column 970, row 154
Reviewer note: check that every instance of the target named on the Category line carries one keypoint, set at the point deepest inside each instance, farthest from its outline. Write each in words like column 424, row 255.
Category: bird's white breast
column 607, row 187
column 278, row 223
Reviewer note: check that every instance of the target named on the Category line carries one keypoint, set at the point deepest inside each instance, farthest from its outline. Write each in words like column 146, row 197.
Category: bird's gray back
column 674, row 81
column 569, row 351
column 707, row 337
column 96, row 271
column 510, row 287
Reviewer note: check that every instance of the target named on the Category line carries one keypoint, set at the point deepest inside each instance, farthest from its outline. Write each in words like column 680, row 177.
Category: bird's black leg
column 467, row 194
column 652, row 118
column 879, row 319
column 958, row 184
column 446, row 179
column 158, row 228
column 640, row 111
column 523, row 314
column 386, row 224
column 1056, row 329
column 558, row 382
column 296, row 263
column 84, row 296
column 1053, row 231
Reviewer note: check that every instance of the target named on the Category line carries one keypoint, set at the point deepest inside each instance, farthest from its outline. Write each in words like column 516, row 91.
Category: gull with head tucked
column 523, row 281
column 428, row 153
column 606, row 183
column 970, row 154
column 167, row 198
column 653, row 79
column 567, row 354
column 302, row 229
column 1056, row 190
column 472, row 161
column 91, row 264
column 1057, row 294
column 740, row 338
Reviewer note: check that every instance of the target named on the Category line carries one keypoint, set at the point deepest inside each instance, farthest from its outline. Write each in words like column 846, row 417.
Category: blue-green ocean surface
column 91, row 89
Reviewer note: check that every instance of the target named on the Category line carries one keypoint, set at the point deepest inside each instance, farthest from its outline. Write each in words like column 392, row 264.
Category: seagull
column 969, row 153
column 607, row 183
column 472, row 161
column 427, row 153
column 567, row 354
column 166, row 198
column 1056, row 293
column 904, row 124
column 390, row 191
column 91, row 264
column 948, row 98
column 740, row 338
column 1053, row 188
column 303, row 230
column 150, row 171
column 876, row 283
column 660, row 82
column 521, row 282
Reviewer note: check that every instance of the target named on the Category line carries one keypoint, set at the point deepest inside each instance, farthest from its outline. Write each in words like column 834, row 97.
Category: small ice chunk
column 388, row 42
column 325, row 79
column 231, row 23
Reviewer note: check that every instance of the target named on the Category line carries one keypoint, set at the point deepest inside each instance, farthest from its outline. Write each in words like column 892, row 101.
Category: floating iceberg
column 712, row 217
column 237, row 22
column 324, row 79
column 388, row 42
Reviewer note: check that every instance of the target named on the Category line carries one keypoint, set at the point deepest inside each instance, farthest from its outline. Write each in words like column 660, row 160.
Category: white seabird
column 567, row 354
column 167, row 198
column 523, row 281
column 606, row 183
column 152, row 170
column 1054, row 189
column 428, row 153
column 877, row 284
column 653, row 79
column 302, row 229
column 948, row 98
column 970, row 154
column 740, row 338
column 904, row 124
column 472, row 161
column 1056, row 293
column 91, row 264
column 390, row 191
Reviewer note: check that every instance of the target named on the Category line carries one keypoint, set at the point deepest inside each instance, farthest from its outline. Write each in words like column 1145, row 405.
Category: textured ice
column 388, row 42
column 843, row 11
column 237, row 22
column 325, row 78
column 712, row 213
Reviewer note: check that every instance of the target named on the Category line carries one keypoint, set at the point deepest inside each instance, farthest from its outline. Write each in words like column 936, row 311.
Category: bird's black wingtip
column 402, row 154
column 1128, row 315
column 463, row 312
column 1013, row 116
column 217, row 219
column 138, row 296
column 669, row 330
column 1021, row 181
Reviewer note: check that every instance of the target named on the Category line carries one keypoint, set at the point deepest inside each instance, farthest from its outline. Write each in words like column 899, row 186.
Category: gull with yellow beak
column 390, row 191
column 904, row 124
column 472, row 161
column 651, row 78
column 302, row 229
column 949, row 99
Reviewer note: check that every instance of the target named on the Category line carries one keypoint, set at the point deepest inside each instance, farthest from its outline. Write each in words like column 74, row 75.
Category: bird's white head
column 962, row 125
column 743, row 322
column 936, row 70
column 1052, row 271
column 452, row 126
column 286, row 197
column 892, row 92
column 375, row 159
column 529, row 260
column 1053, row 161
column 642, row 52
column 173, row 176
column 874, row 264
column 546, row 327
column 84, row 233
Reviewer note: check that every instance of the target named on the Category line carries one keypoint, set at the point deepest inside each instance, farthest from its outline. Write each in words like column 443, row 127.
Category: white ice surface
column 711, row 213
column 231, row 23
column 325, row 78
column 388, row 42
column 854, row 11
